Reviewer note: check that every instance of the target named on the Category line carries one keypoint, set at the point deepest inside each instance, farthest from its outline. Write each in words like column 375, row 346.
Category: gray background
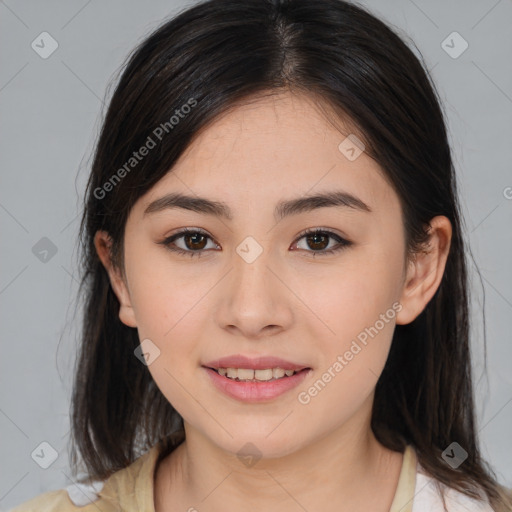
column 50, row 114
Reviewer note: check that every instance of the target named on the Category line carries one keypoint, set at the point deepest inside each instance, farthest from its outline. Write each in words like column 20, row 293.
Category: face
column 252, row 284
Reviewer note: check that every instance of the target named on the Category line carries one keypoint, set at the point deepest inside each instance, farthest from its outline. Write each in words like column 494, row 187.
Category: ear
column 425, row 271
column 103, row 244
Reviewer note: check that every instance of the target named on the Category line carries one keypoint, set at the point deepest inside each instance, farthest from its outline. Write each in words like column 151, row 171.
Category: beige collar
column 404, row 494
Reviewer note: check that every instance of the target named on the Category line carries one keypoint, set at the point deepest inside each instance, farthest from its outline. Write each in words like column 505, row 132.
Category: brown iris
column 197, row 243
column 316, row 237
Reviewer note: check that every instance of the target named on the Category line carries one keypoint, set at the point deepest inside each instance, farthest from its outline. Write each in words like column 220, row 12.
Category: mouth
column 261, row 379
column 255, row 379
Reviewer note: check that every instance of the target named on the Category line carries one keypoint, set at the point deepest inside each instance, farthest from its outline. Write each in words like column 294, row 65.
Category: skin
column 287, row 303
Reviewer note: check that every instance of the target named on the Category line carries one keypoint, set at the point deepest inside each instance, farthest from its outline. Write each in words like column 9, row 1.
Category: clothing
column 131, row 490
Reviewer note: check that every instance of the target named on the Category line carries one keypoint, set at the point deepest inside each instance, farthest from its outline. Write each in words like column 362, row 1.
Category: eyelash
column 342, row 242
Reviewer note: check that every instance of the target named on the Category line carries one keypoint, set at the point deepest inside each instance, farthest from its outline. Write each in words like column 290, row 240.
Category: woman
column 276, row 296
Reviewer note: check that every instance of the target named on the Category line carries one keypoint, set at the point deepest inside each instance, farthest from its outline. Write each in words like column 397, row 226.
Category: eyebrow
column 283, row 209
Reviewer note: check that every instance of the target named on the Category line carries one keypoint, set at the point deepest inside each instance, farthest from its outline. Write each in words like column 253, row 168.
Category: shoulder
column 427, row 497
column 74, row 498
column 129, row 489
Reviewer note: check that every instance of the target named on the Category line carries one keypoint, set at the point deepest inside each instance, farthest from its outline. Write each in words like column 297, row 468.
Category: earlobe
column 103, row 244
column 425, row 271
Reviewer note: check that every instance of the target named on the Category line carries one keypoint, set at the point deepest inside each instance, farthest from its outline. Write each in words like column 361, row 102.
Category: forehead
column 271, row 148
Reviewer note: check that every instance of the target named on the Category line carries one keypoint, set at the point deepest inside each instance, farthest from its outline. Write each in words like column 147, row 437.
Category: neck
column 336, row 472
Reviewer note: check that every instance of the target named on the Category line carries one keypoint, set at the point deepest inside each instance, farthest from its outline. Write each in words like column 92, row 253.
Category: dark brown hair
column 213, row 57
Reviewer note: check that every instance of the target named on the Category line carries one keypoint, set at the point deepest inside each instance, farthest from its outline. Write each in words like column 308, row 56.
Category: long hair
column 204, row 62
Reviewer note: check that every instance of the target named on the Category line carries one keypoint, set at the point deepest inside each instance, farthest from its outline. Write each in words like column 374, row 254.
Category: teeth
column 277, row 373
column 261, row 374
column 232, row 373
column 245, row 374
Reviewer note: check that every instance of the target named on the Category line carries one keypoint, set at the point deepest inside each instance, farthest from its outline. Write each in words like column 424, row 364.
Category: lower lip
column 256, row 391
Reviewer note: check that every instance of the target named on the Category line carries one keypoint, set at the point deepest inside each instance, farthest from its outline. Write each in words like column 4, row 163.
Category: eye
column 318, row 239
column 194, row 241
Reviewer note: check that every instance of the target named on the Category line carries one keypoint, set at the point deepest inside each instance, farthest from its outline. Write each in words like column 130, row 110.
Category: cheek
column 165, row 296
column 352, row 359
column 349, row 297
column 169, row 308
column 358, row 301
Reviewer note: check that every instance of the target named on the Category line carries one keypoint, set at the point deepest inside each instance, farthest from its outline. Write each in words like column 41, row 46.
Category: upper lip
column 257, row 363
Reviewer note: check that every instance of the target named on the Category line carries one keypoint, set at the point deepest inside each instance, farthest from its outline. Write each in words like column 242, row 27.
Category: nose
column 254, row 302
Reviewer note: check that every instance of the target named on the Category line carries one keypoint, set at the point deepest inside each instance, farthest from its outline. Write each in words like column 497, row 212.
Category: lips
column 257, row 363
column 252, row 391
column 255, row 379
